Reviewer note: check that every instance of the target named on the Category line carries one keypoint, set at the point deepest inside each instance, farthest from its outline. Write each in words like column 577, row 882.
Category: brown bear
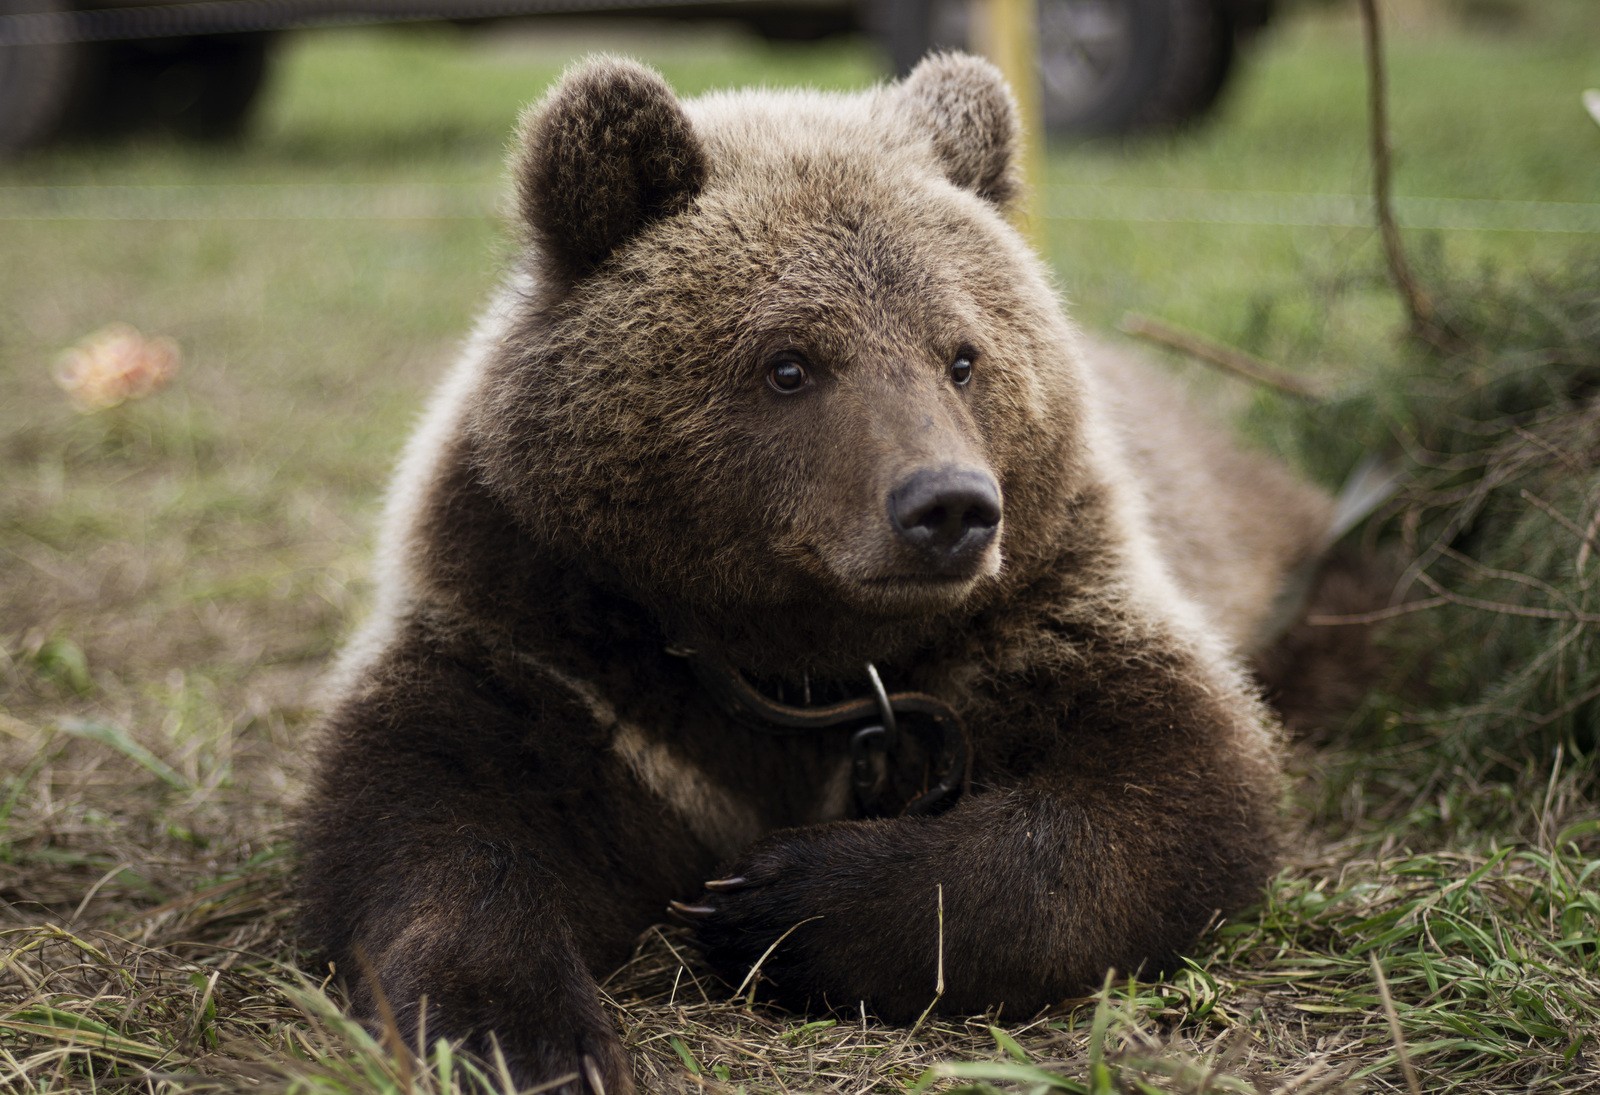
column 780, row 551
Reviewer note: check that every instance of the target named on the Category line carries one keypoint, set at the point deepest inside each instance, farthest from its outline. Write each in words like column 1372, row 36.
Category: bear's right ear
column 607, row 151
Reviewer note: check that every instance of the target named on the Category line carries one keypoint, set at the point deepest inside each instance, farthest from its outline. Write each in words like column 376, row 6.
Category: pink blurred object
column 114, row 365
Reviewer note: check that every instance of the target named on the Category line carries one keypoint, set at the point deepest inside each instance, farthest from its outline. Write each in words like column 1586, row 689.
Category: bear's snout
column 947, row 515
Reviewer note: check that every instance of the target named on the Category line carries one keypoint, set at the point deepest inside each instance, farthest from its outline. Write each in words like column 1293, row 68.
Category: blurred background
column 240, row 239
column 198, row 68
column 307, row 203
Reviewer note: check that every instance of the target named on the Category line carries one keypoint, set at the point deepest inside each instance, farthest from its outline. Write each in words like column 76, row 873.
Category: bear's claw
column 592, row 1076
column 727, row 885
column 691, row 912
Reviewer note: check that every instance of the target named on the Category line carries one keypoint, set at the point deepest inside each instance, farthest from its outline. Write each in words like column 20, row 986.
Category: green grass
column 174, row 574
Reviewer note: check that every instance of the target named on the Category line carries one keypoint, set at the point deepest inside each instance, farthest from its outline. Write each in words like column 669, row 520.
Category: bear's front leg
column 1115, row 823
column 472, row 853
column 475, row 946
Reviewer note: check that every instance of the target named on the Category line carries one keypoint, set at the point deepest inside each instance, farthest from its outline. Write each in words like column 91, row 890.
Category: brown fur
column 1320, row 670
column 517, row 775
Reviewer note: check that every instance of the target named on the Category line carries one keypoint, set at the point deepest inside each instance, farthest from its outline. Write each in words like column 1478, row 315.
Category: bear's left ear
column 607, row 151
column 971, row 117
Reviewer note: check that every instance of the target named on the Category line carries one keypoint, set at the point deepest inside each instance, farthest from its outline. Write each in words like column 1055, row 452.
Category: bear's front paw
column 832, row 917
column 773, row 893
column 597, row 1065
column 545, row 1024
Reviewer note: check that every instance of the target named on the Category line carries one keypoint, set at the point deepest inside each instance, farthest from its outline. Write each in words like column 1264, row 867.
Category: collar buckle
column 873, row 747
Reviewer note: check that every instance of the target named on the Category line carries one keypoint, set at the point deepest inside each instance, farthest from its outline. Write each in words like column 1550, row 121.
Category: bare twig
column 1419, row 309
column 1532, row 612
column 1515, row 577
column 1584, row 537
column 1566, row 709
column 1223, row 357
column 1351, row 619
column 1588, row 541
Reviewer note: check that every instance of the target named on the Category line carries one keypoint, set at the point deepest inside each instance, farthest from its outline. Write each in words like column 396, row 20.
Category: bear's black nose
column 948, row 514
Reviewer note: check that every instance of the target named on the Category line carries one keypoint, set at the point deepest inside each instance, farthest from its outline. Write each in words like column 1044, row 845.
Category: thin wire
column 477, row 201
column 1158, row 205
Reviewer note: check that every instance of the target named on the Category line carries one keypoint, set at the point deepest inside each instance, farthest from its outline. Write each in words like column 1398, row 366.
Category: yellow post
column 1008, row 34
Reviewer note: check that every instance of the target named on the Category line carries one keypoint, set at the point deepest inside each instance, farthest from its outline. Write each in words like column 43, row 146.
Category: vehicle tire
column 1112, row 67
column 802, row 25
column 226, row 75
column 1124, row 66
column 202, row 88
column 40, row 83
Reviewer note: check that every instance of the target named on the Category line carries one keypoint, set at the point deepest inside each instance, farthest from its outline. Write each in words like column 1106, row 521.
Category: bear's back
column 1236, row 529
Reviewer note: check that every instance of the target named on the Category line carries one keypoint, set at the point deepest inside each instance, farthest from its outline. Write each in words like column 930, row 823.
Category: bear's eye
column 787, row 374
column 961, row 367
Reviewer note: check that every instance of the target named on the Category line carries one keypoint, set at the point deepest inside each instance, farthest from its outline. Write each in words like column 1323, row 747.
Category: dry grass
column 1491, row 961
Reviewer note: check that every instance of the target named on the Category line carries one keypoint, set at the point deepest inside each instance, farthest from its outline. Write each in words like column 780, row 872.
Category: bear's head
column 781, row 353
